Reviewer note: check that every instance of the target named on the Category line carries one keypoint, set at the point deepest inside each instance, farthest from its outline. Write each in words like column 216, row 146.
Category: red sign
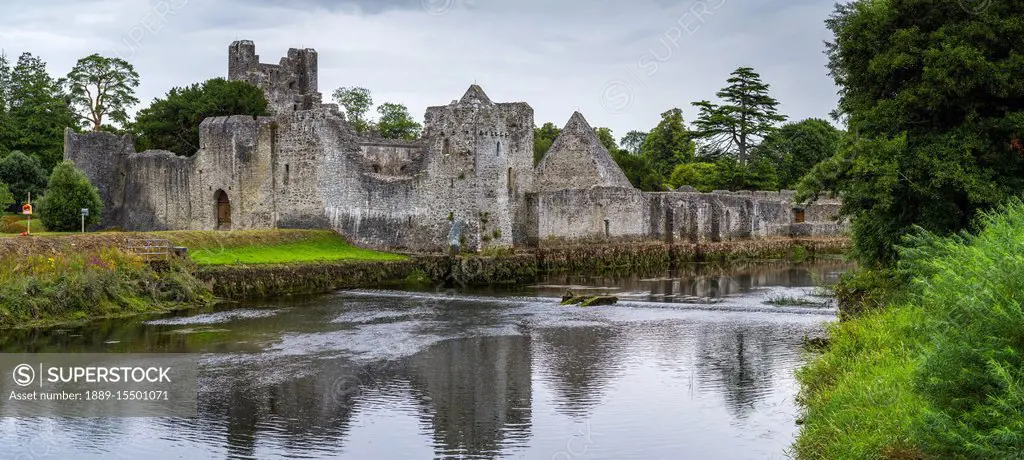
column 26, row 209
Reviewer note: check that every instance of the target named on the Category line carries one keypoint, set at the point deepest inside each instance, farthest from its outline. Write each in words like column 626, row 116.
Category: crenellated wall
column 307, row 167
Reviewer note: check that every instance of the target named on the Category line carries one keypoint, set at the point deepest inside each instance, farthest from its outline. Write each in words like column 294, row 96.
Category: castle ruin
column 470, row 176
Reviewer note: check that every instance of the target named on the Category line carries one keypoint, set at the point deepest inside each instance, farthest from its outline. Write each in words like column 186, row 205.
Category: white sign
column 85, row 212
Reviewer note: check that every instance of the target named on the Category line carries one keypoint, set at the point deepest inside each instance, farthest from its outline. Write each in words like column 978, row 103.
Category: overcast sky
column 620, row 62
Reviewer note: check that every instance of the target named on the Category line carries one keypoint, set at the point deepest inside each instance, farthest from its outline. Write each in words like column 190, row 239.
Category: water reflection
column 394, row 375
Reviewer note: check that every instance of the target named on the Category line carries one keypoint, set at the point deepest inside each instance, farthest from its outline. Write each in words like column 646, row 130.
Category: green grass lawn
column 322, row 247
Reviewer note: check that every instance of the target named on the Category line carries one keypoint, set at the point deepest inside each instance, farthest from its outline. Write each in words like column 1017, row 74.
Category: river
column 693, row 364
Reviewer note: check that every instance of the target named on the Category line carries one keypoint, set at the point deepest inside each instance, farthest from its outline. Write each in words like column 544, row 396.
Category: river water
column 693, row 364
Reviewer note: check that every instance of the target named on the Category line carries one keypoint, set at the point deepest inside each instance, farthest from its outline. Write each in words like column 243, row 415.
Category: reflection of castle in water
column 703, row 281
column 480, row 393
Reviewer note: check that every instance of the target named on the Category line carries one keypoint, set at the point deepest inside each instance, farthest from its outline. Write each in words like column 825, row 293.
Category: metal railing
column 153, row 249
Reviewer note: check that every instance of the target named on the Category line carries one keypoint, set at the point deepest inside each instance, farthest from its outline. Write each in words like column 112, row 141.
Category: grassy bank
column 932, row 369
column 76, row 286
column 269, row 248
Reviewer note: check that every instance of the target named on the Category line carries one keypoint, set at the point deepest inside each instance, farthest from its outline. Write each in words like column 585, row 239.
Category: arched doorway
column 223, row 210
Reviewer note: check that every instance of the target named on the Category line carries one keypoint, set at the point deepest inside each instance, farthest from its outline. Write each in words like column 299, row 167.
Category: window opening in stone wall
column 287, row 174
column 607, row 228
column 376, row 169
column 511, row 180
column 497, row 149
column 798, row 215
column 447, row 148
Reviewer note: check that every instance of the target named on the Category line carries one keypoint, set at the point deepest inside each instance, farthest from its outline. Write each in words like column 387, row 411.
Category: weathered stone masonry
column 307, row 167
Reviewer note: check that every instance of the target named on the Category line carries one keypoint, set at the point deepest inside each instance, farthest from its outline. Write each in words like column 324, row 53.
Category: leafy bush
column 973, row 372
column 68, row 192
column 938, row 373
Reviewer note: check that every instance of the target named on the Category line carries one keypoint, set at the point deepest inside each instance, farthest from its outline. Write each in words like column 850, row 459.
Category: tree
column 669, row 144
column 172, row 123
column 6, row 197
column 633, row 141
column 396, row 123
column 67, row 193
column 23, row 175
column 103, row 87
column 607, row 139
column 39, row 112
column 6, row 127
column 543, row 137
column 747, row 114
column 795, row 148
column 699, row 175
column 935, row 109
column 357, row 102
column 639, row 171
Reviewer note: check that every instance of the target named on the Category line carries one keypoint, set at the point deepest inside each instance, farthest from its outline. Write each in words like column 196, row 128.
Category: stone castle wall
column 470, row 177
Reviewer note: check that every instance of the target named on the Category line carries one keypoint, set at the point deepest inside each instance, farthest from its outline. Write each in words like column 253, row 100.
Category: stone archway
column 223, row 210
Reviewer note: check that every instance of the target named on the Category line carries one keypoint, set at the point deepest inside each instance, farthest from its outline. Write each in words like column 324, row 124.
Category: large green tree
column 747, row 114
column 543, row 137
column 669, row 144
column 395, row 122
column 172, row 123
column 934, row 101
column 102, row 87
column 23, row 175
column 795, row 148
column 357, row 102
column 39, row 112
column 67, row 193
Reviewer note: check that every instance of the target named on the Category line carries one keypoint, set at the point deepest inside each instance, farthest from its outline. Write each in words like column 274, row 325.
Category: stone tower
column 290, row 86
column 483, row 159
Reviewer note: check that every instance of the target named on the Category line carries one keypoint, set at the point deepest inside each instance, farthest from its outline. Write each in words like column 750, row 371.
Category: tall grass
column 938, row 372
column 77, row 286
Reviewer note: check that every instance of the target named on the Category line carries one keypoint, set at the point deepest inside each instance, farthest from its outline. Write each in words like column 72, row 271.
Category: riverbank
column 70, row 278
column 932, row 367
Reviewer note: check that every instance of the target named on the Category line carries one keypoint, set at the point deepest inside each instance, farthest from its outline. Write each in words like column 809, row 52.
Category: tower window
column 287, row 174
column 447, row 148
column 497, row 149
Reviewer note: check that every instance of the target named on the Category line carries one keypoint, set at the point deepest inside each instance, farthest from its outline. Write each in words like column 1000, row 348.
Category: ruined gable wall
column 577, row 160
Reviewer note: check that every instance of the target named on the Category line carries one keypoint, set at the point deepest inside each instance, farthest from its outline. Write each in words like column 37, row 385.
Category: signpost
column 85, row 212
column 26, row 209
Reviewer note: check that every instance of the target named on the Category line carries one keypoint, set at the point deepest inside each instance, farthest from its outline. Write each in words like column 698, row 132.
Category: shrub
column 973, row 372
column 67, row 193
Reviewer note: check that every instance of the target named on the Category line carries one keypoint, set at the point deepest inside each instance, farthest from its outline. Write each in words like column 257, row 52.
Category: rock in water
column 599, row 300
